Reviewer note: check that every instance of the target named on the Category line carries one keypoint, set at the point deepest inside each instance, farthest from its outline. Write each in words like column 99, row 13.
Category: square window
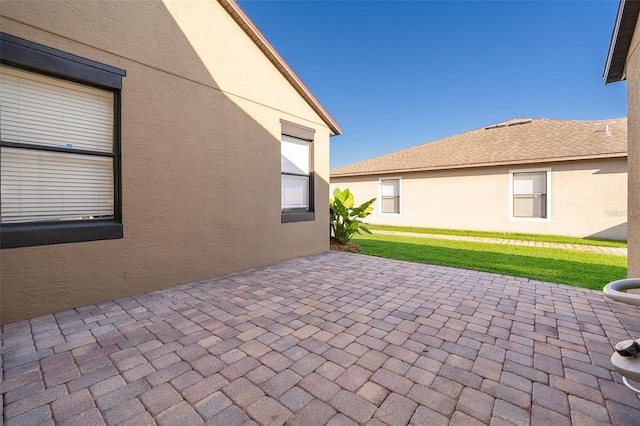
column 529, row 191
column 57, row 149
column 59, row 159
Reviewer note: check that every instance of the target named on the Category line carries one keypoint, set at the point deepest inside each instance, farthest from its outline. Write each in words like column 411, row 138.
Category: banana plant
column 345, row 218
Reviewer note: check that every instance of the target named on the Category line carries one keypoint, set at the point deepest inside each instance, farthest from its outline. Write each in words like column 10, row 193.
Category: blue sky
column 397, row 74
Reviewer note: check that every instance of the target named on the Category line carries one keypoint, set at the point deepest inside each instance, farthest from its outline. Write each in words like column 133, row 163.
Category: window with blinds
column 295, row 173
column 530, row 194
column 57, row 149
column 390, row 196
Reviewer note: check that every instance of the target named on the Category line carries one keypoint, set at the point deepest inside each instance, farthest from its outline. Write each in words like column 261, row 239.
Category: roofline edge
column 479, row 165
column 612, row 42
column 626, row 16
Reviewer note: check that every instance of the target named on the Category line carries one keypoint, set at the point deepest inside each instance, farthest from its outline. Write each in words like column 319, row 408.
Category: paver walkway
column 619, row 251
column 335, row 338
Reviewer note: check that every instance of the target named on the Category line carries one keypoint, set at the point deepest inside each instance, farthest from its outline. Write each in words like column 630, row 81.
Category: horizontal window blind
column 38, row 184
column 294, row 192
column 294, row 156
column 41, row 110
column 47, row 186
column 534, row 206
column 530, row 183
column 390, row 204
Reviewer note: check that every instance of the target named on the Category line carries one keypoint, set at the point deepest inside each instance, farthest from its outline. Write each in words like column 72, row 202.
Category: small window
column 390, row 196
column 59, row 146
column 296, row 172
column 294, row 162
column 529, row 191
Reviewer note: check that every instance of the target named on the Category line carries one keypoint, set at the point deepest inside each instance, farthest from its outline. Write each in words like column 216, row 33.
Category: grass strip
column 503, row 235
column 579, row 269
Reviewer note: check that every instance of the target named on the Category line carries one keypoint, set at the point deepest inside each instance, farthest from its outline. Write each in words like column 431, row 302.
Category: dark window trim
column 297, row 216
column 297, row 130
column 56, row 149
column 29, row 234
column 46, row 60
column 294, row 174
column 40, row 59
column 117, row 161
column 304, row 133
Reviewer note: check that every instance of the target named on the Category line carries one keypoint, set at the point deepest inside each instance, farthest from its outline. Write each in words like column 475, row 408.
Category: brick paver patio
column 335, row 338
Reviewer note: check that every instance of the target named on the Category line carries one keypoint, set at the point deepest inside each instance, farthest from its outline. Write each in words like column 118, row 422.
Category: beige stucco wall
column 201, row 110
column 633, row 113
column 588, row 198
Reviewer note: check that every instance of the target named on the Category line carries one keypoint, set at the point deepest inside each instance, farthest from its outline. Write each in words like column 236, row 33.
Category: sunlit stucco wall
column 588, row 198
column 201, row 111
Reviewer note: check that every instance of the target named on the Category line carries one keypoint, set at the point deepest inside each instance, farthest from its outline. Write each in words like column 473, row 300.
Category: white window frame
column 399, row 179
column 547, row 170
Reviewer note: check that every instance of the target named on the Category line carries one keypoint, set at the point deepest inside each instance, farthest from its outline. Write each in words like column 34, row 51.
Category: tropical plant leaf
column 344, row 223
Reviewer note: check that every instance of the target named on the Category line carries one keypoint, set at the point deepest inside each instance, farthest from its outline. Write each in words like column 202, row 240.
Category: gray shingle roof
column 515, row 141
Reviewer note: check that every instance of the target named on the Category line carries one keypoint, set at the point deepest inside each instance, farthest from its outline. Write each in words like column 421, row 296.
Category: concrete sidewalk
column 337, row 339
column 619, row 251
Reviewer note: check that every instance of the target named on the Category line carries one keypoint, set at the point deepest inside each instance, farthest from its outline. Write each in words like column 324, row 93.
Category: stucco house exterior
column 542, row 176
column 147, row 144
column 623, row 63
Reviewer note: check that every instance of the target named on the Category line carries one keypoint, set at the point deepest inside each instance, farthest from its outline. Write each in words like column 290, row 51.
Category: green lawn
column 580, row 269
column 507, row 236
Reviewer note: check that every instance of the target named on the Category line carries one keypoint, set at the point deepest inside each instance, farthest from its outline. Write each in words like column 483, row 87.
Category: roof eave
column 623, row 29
column 478, row 165
column 270, row 52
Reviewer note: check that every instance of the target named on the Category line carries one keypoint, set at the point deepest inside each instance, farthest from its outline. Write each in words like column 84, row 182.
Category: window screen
column 530, row 194
column 390, row 195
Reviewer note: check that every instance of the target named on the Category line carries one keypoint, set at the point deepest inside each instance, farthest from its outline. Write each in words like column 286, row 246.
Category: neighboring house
column 538, row 176
column 148, row 144
column 623, row 63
